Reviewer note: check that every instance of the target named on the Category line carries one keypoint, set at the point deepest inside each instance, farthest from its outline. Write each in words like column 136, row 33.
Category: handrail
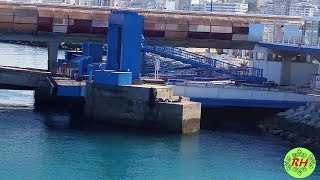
column 186, row 54
column 183, row 82
column 292, row 40
column 216, row 64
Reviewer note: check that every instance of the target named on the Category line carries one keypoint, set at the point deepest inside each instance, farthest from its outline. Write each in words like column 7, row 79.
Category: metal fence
column 293, row 40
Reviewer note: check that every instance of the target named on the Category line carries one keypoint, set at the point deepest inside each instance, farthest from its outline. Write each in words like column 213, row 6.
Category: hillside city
column 272, row 7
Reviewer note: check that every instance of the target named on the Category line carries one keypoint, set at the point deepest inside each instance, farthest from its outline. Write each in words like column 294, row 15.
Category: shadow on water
column 226, row 119
column 235, row 119
column 66, row 119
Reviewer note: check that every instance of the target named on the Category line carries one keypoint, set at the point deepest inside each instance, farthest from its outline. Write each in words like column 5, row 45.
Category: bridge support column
column 285, row 71
column 230, row 54
column 143, row 60
column 53, row 48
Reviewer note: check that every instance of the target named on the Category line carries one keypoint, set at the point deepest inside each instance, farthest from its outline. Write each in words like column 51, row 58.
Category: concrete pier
column 142, row 106
column 53, row 48
column 21, row 78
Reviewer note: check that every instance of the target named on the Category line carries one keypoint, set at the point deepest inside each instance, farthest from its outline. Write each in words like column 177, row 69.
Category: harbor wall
column 142, row 107
column 224, row 95
column 300, row 126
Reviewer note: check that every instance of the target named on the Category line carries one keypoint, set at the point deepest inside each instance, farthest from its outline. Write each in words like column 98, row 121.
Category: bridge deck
column 21, row 78
column 92, row 23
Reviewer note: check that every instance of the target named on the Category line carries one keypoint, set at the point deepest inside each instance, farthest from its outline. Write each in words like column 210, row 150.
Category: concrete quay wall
column 18, row 78
column 138, row 106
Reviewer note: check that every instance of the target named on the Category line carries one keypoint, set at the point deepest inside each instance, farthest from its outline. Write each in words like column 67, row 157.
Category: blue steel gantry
column 126, row 56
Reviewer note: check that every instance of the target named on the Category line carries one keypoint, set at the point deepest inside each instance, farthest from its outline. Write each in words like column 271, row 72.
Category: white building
column 52, row 1
column 303, row 9
column 122, row 3
column 291, row 8
column 23, row 1
column 170, row 4
column 275, row 8
column 86, row 2
column 221, row 7
column 198, row 7
column 183, row 4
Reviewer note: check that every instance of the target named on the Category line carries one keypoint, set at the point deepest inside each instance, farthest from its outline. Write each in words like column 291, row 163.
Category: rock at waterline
column 308, row 114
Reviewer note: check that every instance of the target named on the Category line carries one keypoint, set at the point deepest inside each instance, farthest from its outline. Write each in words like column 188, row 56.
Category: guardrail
column 169, row 50
column 199, row 60
column 293, row 40
column 298, row 89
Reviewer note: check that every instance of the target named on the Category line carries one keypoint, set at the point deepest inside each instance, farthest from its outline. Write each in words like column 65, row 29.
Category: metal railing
column 293, row 40
column 183, row 82
column 199, row 60
column 193, row 57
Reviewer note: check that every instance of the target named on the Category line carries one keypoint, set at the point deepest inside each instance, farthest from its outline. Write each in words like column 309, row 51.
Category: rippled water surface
column 49, row 145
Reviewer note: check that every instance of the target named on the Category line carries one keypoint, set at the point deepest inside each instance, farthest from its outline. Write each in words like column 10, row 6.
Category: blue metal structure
column 249, row 74
column 94, row 50
column 124, row 42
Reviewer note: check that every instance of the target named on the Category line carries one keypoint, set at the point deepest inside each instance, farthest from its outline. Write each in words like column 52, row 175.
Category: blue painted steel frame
column 124, row 42
column 250, row 74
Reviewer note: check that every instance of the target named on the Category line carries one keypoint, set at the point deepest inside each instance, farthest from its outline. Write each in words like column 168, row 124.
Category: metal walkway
column 249, row 74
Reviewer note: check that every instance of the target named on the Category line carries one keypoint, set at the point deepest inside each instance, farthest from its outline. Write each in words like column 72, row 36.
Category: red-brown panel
column 177, row 19
column 25, row 27
column 155, row 19
column 83, row 14
column 82, row 22
column 25, row 20
column 6, row 18
column 240, row 30
column 45, row 12
column 6, row 26
column 6, row 11
column 61, row 13
column 198, row 35
column 60, row 21
column 99, row 23
column 45, row 20
column 45, row 27
column 99, row 30
column 176, row 34
column 23, row 11
column 154, row 33
column 221, row 36
column 240, row 37
column 100, row 15
column 79, row 29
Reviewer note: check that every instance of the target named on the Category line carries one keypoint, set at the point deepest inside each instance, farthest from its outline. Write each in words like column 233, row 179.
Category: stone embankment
column 300, row 126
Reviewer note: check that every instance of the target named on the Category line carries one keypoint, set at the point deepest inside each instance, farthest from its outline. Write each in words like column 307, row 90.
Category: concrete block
column 132, row 106
column 179, row 117
column 145, row 92
column 191, row 116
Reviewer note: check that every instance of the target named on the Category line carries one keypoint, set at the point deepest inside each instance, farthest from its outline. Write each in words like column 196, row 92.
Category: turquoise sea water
column 51, row 145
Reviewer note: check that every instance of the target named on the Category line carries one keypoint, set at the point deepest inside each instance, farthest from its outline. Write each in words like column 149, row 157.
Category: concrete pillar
column 304, row 28
column 308, row 58
column 53, row 48
column 278, row 32
column 319, row 29
column 243, row 54
column 144, row 63
column 230, row 54
column 285, row 71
